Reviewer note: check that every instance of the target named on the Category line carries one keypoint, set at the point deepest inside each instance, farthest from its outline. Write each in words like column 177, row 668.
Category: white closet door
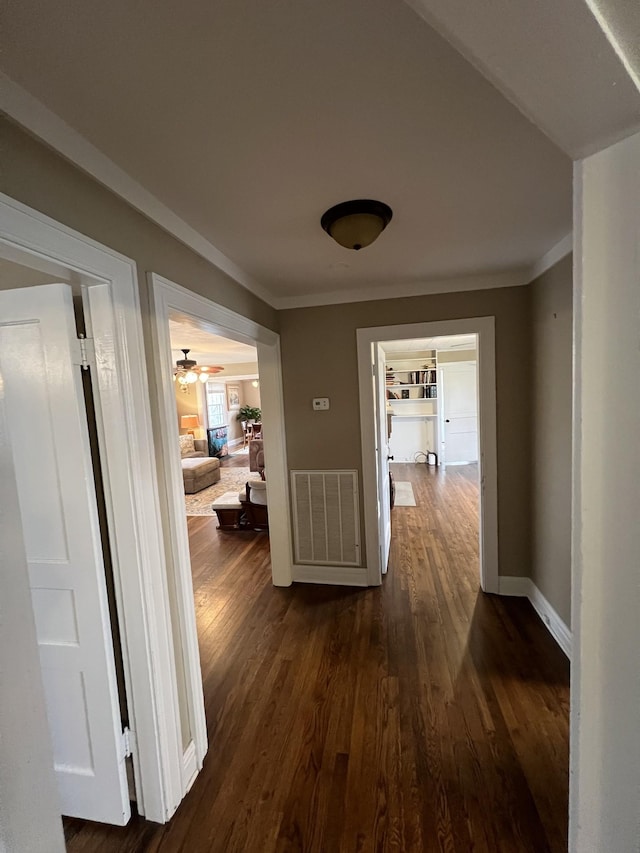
column 460, row 413
column 49, row 437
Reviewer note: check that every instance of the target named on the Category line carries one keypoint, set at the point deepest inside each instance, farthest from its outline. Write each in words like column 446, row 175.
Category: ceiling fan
column 187, row 371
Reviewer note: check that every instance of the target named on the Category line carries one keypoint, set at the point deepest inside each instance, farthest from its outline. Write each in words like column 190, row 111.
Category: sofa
column 199, row 470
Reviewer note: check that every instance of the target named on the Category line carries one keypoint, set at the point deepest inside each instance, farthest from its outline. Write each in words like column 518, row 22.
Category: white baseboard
column 526, row 588
column 336, row 575
column 189, row 766
column 234, row 442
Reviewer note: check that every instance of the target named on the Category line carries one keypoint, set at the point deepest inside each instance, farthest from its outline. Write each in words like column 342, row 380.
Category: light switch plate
column 320, row 404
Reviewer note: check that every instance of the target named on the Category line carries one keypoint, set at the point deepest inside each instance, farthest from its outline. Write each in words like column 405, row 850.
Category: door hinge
column 85, row 354
column 127, row 737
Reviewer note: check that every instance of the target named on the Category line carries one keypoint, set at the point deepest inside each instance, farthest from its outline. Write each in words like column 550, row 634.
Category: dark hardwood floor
column 418, row 716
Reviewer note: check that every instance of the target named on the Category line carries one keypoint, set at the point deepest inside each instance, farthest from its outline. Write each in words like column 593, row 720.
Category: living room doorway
column 218, row 417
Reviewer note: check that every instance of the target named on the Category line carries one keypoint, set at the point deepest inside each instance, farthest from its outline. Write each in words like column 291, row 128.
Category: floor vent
column 325, row 517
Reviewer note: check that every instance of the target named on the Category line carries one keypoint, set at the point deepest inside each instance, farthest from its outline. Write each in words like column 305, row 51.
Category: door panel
column 382, row 455
column 56, row 493
column 460, row 413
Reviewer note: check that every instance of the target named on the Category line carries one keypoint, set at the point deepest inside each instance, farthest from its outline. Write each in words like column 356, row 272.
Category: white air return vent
column 325, row 517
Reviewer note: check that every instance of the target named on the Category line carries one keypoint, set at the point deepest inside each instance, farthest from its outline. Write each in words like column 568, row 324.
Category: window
column 215, row 404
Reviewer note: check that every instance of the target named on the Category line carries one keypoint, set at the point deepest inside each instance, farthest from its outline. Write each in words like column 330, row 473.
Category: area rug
column 231, row 480
column 404, row 494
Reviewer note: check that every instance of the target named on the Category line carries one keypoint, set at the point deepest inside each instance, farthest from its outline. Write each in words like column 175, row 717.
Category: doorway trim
column 484, row 328
column 167, row 296
column 109, row 286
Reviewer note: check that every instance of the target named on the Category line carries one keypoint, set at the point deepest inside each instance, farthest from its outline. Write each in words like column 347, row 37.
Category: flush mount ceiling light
column 187, row 371
column 356, row 224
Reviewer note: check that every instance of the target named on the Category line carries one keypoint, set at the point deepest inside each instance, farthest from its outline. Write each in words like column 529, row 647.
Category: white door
column 459, row 401
column 382, row 455
column 56, row 494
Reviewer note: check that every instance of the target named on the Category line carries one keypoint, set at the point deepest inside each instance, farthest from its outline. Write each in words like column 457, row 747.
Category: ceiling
column 246, row 120
column 554, row 61
column 443, row 342
column 188, row 332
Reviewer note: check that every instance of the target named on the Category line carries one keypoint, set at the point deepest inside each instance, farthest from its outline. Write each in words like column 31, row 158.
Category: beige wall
column 40, row 178
column 319, row 360
column 250, row 396
column 456, row 355
column 189, row 403
column 552, row 316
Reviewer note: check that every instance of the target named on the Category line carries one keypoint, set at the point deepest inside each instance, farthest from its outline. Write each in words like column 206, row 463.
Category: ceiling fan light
column 356, row 224
column 204, row 377
column 191, row 377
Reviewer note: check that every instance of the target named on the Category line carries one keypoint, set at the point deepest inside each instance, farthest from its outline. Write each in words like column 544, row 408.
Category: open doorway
column 419, row 429
column 219, row 419
column 204, row 545
column 431, row 406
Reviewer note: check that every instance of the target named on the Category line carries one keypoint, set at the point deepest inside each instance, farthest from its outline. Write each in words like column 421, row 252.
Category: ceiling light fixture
column 356, row 224
column 187, row 371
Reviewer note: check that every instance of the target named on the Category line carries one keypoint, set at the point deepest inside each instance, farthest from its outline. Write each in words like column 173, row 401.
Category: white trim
column 166, row 296
column 126, row 442
column 557, row 627
column 555, row 254
column 484, row 328
column 526, row 588
column 190, row 767
column 33, row 115
column 335, row 575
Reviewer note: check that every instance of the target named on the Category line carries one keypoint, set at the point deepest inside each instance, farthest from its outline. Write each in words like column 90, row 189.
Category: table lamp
column 190, row 422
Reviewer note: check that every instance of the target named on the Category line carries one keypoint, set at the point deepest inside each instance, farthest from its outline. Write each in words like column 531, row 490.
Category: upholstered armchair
column 256, row 456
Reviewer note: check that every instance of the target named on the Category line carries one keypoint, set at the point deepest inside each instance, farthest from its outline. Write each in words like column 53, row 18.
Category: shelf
column 411, row 384
column 393, row 400
column 417, row 358
column 414, row 415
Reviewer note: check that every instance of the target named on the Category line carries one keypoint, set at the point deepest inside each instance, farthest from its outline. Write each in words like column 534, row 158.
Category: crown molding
column 39, row 120
column 555, row 254
column 482, row 281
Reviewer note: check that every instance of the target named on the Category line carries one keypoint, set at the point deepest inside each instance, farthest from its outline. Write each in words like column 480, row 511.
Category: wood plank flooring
column 418, row 716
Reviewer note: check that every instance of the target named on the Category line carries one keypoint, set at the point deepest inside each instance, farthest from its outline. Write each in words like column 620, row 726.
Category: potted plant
column 250, row 414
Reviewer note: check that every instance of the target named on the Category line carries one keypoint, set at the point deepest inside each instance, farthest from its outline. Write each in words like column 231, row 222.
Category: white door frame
column 121, row 391
column 484, row 328
column 166, row 296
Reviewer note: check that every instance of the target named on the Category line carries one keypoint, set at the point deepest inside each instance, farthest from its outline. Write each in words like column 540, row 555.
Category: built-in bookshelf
column 411, row 379
column 412, row 404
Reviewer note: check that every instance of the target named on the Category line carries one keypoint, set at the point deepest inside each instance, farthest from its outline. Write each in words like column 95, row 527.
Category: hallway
column 418, row 716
